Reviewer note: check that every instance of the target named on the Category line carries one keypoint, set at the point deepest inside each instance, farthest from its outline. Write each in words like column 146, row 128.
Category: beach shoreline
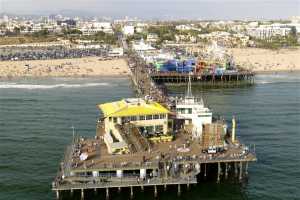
column 277, row 72
column 62, row 77
column 260, row 61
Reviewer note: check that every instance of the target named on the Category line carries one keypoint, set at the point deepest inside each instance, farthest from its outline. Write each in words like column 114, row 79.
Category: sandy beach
column 258, row 60
column 78, row 67
column 264, row 60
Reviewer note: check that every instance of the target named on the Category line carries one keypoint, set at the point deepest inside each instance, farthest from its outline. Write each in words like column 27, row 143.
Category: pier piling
column 219, row 172
column 241, row 171
column 179, row 190
column 57, row 194
column 226, row 170
column 131, row 192
column 82, row 194
column 107, row 193
column 235, row 169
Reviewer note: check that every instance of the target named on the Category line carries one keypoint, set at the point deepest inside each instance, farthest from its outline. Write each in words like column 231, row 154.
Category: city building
column 268, row 31
column 192, row 110
column 150, row 118
column 152, row 37
column 128, row 30
column 141, row 46
column 116, row 52
column 91, row 28
column 183, row 27
column 140, row 27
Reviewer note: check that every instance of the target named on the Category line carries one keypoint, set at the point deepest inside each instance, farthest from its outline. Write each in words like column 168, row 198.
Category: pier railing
column 124, row 182
column 158, row 73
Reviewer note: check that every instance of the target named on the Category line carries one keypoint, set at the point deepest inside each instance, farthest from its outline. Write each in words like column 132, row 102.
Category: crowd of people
column 47, row 53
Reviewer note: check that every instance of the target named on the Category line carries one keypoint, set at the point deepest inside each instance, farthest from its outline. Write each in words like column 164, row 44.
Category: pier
column 143, row 82
column 148, row 82
column 205, row 79
column 175, row 158
column 159, row 166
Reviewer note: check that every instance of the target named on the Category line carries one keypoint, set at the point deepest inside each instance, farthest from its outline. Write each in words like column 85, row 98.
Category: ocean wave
column 262, row 82
column 36, row 86
column 277, row 78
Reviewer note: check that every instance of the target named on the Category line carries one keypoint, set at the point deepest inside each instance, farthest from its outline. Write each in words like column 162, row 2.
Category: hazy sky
column 203, row 9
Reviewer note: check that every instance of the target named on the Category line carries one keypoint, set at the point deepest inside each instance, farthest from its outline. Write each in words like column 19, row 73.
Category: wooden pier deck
column 75, row 174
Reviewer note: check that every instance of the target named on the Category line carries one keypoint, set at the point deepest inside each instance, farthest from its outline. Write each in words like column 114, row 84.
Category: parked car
column 212, row 150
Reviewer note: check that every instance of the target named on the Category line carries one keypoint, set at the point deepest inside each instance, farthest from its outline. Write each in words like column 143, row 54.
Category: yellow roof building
column 148, row 117
column 132, row 107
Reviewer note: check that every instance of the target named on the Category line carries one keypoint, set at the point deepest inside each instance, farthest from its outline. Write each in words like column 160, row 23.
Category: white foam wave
column 276, row 81
column 35, row 86
column 264, row 82
column 278, row 78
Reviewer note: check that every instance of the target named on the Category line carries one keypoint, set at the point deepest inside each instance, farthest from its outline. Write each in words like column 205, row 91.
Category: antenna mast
column 73, row 129
column 189, row 89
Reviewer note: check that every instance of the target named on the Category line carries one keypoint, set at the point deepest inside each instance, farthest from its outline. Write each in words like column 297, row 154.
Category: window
column 142, row 117
column 109, row 119
column 115, row 119
column 149, row 129
column 207, row 115
column 124, row 119
column 149, row 117
column 181, row 110
column 155, row 116
column 162, row 116
column 159, row 128
column 133, row 118
column 189, row 110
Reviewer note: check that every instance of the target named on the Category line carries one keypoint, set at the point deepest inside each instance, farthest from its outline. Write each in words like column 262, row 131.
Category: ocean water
column 36, row 117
